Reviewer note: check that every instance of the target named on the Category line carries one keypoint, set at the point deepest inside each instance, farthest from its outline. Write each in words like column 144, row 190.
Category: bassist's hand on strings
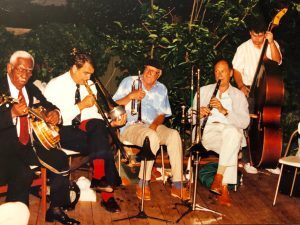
column 269, row 37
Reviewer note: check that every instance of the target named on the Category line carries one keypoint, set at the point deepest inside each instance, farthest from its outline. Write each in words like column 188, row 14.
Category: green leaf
column 118, row 23
column 154, row 36
column 165, row 40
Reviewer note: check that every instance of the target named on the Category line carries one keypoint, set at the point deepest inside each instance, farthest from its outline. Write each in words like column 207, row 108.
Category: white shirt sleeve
column 60, row 94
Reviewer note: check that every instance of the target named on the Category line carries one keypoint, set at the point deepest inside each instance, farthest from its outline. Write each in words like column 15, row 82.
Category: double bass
column 265, row 100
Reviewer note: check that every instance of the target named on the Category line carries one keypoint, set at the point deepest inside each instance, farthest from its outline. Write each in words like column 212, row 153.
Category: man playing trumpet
column 227, row 117
column 154, row 109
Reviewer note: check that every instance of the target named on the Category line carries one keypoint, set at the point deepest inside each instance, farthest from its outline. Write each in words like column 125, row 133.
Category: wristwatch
column 226, row 113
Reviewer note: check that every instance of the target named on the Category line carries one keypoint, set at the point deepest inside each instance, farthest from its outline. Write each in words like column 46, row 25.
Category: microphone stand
column 146, row 154
column 196, row 151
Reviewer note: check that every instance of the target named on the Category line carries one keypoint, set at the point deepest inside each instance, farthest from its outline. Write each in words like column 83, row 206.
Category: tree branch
column 192, row 16
column 146, row 28
column 225, row 36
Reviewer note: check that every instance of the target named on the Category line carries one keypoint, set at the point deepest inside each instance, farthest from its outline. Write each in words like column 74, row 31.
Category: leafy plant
column 51, row 45
column 181, row 46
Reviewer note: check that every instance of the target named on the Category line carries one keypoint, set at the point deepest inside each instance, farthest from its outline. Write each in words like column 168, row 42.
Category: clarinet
column 213, row 95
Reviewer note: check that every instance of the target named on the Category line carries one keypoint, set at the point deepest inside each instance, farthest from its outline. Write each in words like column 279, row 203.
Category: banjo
column 47, row 134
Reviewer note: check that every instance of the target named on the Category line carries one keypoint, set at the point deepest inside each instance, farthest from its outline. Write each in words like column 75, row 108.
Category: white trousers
column 14, row 213
column 136, row 134
column 225, row 140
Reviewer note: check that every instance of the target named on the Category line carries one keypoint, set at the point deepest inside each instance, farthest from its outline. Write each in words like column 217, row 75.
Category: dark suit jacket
column 9, row 142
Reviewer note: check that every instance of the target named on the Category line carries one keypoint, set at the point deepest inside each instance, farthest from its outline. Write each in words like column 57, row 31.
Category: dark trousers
column 59, row 183
column 95, row 143
column 18, row 176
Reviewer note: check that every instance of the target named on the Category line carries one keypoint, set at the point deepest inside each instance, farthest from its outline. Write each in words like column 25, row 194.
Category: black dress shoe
column 57, row 214
column 111, row 205
column 101, row 185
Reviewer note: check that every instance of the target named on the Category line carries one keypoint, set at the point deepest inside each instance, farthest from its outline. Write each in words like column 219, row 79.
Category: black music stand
column 145, row 154
column 197, row 151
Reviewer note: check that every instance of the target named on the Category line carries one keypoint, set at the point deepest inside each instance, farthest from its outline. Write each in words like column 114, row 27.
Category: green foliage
column 99, row 15
column 25, row 14
column 180, row 46
column 180, row 35
column 6, row 43
column 51, row 45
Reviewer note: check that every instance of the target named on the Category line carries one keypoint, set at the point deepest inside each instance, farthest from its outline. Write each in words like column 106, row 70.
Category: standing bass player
column 245, row 63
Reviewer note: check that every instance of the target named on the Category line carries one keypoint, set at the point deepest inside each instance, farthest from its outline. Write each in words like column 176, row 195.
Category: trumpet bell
column 117, row 111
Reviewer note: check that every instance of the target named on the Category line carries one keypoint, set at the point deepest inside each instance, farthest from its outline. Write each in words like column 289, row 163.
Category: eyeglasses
column 22, row 69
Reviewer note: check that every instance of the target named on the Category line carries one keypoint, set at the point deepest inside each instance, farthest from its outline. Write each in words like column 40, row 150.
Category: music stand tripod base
column 192, row 206
column 147, row 155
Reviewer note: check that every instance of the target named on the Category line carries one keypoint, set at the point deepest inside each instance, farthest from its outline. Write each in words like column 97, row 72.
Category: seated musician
column 83, row 128
column 15, row 131
column 155, row 107
column 223, row 132
column 245, row 62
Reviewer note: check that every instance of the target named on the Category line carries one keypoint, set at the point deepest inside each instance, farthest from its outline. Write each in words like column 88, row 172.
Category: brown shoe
column 176, row 192
column 216, row 186
column 139, row 192
column 224, row 199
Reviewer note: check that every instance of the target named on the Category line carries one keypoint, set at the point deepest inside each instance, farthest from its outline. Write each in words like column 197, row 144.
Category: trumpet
column 115, row 112
column 136, row 105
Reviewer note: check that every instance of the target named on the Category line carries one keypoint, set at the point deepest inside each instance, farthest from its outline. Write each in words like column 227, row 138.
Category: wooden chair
column 41, row 181
column 291, row 160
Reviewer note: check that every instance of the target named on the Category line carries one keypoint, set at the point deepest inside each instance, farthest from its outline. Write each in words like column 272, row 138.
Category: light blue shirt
column 155, row 102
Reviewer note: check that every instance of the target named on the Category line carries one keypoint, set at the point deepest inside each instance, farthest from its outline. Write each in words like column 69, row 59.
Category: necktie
column 76, row 120
column 24, row 133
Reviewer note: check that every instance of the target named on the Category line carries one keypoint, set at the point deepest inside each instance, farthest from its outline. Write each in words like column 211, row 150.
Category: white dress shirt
column 246, row 60
column 60, row 91
column 14, row 92
column 216, row 116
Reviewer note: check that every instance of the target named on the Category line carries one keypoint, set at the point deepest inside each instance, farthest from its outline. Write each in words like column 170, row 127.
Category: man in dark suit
column 18, row 147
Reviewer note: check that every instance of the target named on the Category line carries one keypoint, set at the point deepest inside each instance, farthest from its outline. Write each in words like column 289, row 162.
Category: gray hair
column 20, row 54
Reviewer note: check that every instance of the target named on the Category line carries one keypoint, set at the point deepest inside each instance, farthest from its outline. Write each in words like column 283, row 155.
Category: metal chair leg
column 162, row 163
column 277, row 187
column 119, row 162
column 294, row 179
